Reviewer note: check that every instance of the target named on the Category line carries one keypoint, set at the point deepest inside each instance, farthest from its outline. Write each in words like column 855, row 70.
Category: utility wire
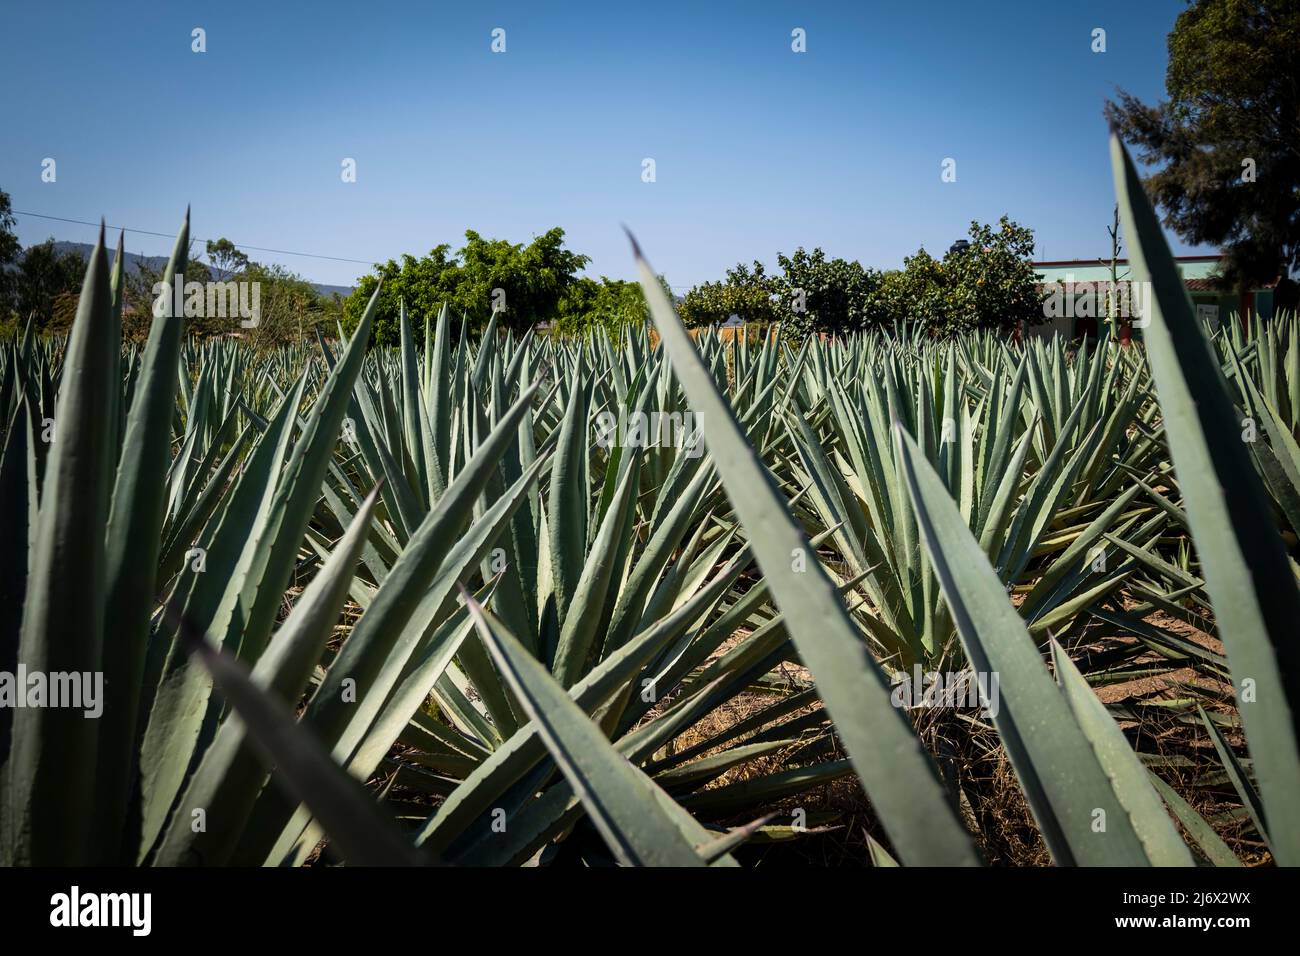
column 193, row 239
column 166, row 235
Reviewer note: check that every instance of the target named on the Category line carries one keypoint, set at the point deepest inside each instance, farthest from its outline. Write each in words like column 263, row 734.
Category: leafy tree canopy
column 987, row 283
column 608, row 303
column 45, row 274
column 526, row 283
column 10, row 250
column 748, row 293
column 288, row 305
column 225, row 259
column 829, row 295
column 1227, row 140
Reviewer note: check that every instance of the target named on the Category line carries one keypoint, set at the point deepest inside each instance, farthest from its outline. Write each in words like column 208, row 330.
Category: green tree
column 140, row 296
column 988, row 283
column 424, row 284
column 811, row 293
column 916, row 293
column 526, row 283
column 226, row 261
column 604, row 303
column 43, row 275
column 747, row 292
column 10, row 250
column 991, row 283
column 1227, row 141
column 289, row 305
column 825, row 295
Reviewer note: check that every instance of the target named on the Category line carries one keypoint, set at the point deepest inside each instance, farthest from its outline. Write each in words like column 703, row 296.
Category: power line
column 166, row 235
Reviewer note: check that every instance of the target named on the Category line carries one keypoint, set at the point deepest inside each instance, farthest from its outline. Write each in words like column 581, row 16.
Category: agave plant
column 222, row 481
column 430, row 604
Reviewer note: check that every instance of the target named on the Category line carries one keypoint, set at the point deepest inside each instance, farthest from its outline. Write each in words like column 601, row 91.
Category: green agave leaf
column 623, row 803
column 1211, row 844
column 377, row 651
column 717, row 847
column 414, row 425
column 440, row 412
column 363, row 656
column 358, row 830
column 567, row 511
column 17, row 519
column 179, row 690
column 1250, row 581
column 696, row 773
column 759, row 790
column 52, row 759
column 196, row 514
column 879, row 855
column 298, row 492
column 417, row 661
column 435, row 611
column 584, row 622
column 231, row 774
column 301, row 835
column 889, row 760
column 557, row 809
column 132, row 554
column 1129, row 778
column 483, row 789
column 1238, row 776
column 1067, row 789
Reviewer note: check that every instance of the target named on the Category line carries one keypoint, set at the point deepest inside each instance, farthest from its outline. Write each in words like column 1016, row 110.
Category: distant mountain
column 158, row 263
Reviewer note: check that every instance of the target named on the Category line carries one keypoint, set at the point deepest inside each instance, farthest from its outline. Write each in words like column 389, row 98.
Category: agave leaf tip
column 636, row 246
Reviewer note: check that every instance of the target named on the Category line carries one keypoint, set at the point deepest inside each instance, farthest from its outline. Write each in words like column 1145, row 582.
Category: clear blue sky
column 757, row 148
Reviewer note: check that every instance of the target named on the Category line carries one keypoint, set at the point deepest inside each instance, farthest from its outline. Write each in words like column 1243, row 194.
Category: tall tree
column 1227, row 140
column 44, row 275
column 10, row 251
column 225, row 258
column 141, row 298
column 748, row 293
column 990, row 282
column 607, row 303
column 525, row 283
column 829, row 295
